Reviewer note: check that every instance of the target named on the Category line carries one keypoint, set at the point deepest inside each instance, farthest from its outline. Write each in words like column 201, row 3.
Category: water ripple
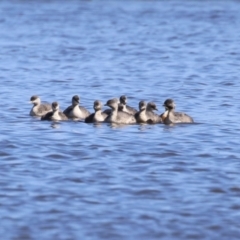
column 73, row 180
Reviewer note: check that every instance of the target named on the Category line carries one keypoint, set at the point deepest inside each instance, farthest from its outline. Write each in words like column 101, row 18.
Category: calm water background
column 74, row 180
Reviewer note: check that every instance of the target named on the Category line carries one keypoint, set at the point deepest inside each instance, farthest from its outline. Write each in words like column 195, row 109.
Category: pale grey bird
column 152, row 116
column 146, row 113
column 122, row 106
column 98, row 115
column 116, row 116
column 55, row 114
column 128, row 109
column 39, row 109
column 171, row 117
column 75, row 111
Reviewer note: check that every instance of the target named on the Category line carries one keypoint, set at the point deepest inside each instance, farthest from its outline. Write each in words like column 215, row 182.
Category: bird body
column 39, row 109
column 98, row 116
column 171, row 117
column 146, row 114
column 55, row 114
column 116, row 116
column 75, row 111
column 126, row 108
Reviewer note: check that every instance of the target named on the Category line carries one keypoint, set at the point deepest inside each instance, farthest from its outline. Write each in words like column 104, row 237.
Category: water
column 73, row 180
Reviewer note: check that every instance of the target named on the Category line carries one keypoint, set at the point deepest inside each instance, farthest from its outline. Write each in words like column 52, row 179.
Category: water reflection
column 55, row 124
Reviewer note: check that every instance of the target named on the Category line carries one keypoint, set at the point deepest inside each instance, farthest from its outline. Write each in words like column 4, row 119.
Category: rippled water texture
column 74, row 180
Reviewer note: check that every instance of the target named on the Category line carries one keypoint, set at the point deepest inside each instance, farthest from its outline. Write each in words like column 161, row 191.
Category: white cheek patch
column 165, row 114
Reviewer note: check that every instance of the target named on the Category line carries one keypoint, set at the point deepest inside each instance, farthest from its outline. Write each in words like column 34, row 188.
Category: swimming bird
column 146, row 114
column 75, row 111
column 170, row 116
column 55, row 114
column 128, row 109
column 141, row 115
column 118, row 116
column 153, row 117
column 39, row 109
column 122, row 108
column 98, row 115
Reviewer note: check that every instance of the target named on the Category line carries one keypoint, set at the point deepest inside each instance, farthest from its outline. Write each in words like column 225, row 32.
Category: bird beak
column 156, row 109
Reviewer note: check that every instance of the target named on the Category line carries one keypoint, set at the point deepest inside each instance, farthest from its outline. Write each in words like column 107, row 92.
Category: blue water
column 73, row 180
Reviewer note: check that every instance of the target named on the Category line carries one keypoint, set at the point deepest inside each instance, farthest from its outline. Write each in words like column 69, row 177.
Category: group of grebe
column 119, row 112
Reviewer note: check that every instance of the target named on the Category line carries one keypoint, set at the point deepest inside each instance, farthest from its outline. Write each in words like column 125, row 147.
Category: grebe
column 98, row 116
column 170, row 116
column 75, row 111
column 118, row 116
column 128, row 109
column 55, row 114
column 39, row 109
column 146, row 114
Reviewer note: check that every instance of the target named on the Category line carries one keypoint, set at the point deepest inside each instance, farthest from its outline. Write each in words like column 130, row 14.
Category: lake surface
column 73, row 180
